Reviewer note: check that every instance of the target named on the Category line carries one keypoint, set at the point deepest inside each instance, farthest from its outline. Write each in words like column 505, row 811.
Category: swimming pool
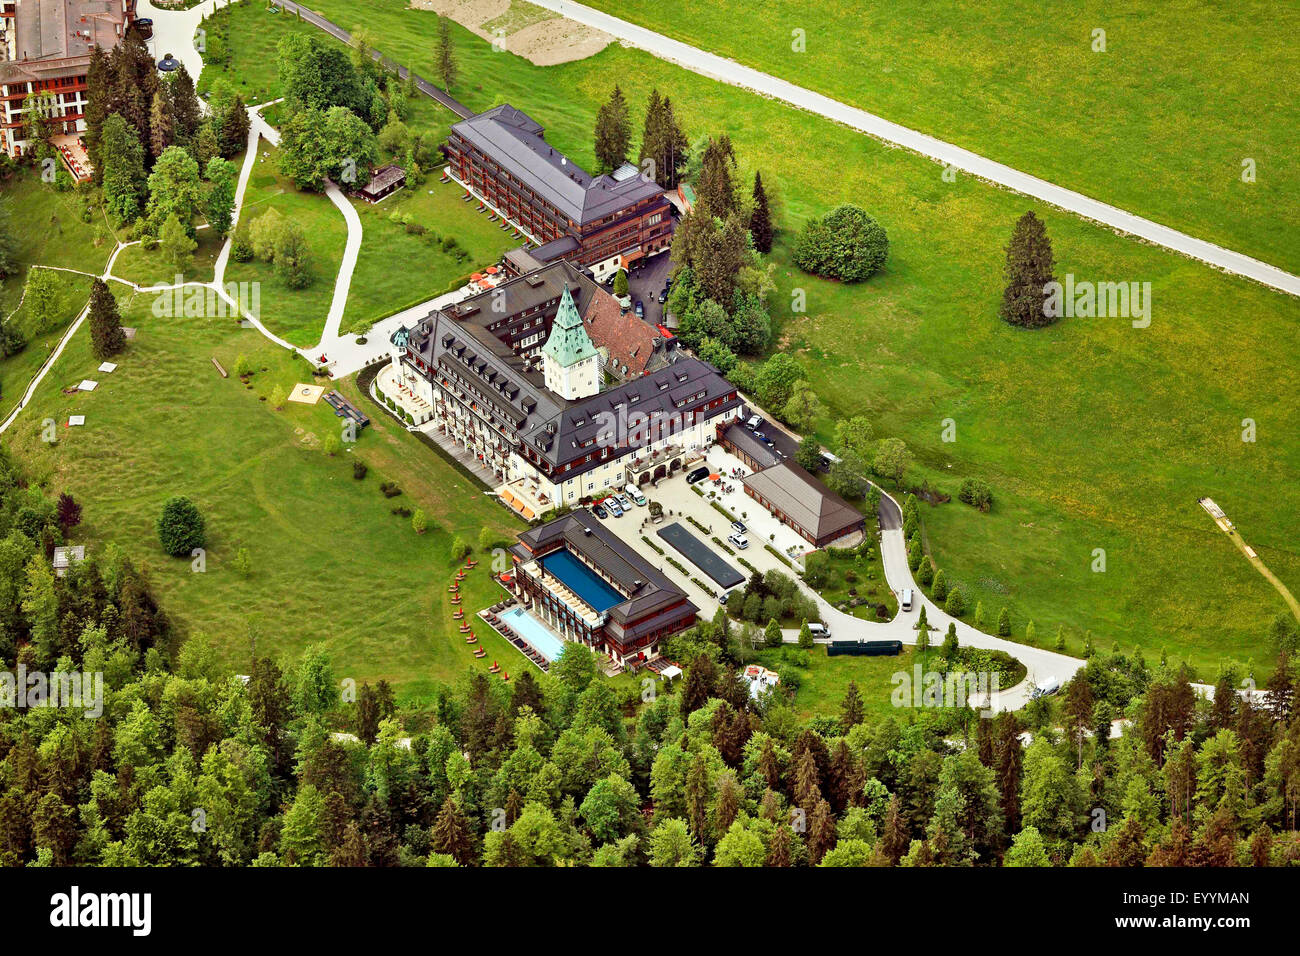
column 582, row 581
column 531, row 630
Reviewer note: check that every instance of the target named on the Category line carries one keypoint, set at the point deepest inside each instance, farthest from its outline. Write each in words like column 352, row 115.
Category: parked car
column 726, row 596
column 699, row 474
column 634, row 493
column 754, row 422
column 623, row 502
column 640, row 309
column 663, row 295
column 1049, row 685
column 906, row 600
column 739, row 540
column 614, row 509
column 599, row 511
column 819, row 630
column 738, row 527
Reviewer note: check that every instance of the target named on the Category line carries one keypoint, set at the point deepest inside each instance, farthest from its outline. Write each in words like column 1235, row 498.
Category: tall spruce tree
column 760, row 220
column 716, row 190
column 446, row 54
column 161, row 127
column 663, row 142
column 613, row 132
column 106, row 335
column 187, row 114
column 98, row 82
column 1028, row 271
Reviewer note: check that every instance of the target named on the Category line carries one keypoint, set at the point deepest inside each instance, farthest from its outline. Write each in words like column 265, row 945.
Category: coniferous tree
column 716, row 191
column 106, row 335
column 613, row 132
column 98, row 83
column 1028, row 272
column 663, row 142
column 446, row 55
column 851, row 710
column 451, row 834
column 760, row 220
column 187, row 113
column 161, row 128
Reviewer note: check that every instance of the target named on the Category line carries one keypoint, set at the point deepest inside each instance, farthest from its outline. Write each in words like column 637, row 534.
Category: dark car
column 599, row 511
column 699, row 474
column 640, row 309
column 663, row 296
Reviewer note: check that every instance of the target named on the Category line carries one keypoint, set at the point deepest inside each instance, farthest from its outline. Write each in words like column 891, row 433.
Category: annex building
column 589, row 586
column 556, row 392
column 601, row 222
column 46, row 47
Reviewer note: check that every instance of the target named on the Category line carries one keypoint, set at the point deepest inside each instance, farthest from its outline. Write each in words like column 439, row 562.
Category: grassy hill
column 331, row 562
column 1158, row 124
column 1093, row 434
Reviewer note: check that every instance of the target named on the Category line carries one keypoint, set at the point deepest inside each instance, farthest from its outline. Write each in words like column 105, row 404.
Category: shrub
column 976, row 493
column 1004, row 623
column 847, row 244
column 332, row 445
column 419, row 521
column 180, row 527
column 956, row 603
column 359, row 470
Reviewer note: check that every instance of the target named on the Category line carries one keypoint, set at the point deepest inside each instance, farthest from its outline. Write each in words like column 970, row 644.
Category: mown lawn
column 1093, row 434
column 1158, row 124
column 17, row 371
column 147, row 267
column 397, row 269
column 297, row 315
column 49, row 228
column 331, row 562
column 823, row 680
column 241, row 43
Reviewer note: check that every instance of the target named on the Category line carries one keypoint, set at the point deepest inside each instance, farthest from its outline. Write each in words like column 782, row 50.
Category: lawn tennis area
column 701, row 555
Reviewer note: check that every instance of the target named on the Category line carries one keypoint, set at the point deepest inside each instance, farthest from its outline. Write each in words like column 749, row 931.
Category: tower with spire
column 570, row 363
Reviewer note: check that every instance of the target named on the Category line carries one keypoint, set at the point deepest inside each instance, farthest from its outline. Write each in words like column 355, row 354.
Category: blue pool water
column 582, row 581
column 542, row 640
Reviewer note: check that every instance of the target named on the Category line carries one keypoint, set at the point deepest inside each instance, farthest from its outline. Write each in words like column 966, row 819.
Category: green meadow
column 1158, row 123
column 1093, row 434
column 330, row 560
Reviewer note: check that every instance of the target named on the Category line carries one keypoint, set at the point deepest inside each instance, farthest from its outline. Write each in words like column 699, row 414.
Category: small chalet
column 384, row 181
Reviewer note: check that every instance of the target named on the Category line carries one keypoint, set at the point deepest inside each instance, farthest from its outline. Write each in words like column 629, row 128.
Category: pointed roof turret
column 568, row 343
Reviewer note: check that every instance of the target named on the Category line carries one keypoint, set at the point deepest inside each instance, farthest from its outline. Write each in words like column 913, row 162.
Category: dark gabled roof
column 745, row 440
column 803, row 499
column 645, row 589
column 458, row 344
column 514, row 140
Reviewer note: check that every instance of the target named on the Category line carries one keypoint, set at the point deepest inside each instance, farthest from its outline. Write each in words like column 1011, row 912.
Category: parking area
column 645, row 282
column 682, row 504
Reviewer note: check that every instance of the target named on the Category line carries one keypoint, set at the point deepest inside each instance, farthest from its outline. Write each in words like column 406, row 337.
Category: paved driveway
column 645, row 283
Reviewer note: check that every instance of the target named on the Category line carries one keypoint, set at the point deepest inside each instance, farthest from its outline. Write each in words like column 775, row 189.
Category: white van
column 819, row 630
column 739, row 540
column 1050, row 685
column 906, row 602
column 634, row 493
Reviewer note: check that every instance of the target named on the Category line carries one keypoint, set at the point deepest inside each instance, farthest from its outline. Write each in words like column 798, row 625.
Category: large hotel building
column 46, row 46
column 557, row 392
column 599, row 222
